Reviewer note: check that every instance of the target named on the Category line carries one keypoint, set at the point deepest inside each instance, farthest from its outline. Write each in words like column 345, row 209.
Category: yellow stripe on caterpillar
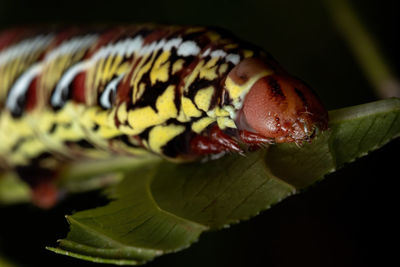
column 209, row 70
column 122, row 112
column 225, row 122
column 159, row 72
column 142, row 118
column 189, row 109
column 202, row 124
column 160, row 135
column 193, row 75
column 177, row 65
column 143, row 67
column 204, row 97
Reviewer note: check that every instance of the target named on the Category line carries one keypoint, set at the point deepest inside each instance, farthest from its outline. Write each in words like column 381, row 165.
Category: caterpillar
column 182, row 93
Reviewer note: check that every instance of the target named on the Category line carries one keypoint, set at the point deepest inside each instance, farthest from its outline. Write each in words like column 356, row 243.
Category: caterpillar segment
column 179, row 92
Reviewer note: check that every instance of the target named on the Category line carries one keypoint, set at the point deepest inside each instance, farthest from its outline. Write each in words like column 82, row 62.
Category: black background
column 346, row 220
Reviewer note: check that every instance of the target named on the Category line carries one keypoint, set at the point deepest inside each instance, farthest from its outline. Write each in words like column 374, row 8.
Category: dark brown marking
column 302, row 97
column 124, row 94
column 156, row 36
column 78, row 88
column 275, row 88
column 53, row 128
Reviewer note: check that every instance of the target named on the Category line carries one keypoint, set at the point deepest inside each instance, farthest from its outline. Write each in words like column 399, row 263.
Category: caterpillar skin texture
column 179, row 92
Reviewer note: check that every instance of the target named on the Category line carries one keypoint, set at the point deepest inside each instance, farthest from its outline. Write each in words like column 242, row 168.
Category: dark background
column 346, row 220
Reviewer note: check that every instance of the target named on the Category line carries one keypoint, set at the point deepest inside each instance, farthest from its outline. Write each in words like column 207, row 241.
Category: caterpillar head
column 278, row 105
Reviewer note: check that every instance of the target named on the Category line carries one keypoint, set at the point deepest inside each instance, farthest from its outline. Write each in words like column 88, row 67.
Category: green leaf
column 353, row 132
column 160, row 207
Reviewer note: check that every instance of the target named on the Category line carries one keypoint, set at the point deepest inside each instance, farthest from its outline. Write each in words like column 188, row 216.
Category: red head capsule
column 281, row 107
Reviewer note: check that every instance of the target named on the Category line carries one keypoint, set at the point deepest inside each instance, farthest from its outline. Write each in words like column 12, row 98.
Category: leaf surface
column 161, row 207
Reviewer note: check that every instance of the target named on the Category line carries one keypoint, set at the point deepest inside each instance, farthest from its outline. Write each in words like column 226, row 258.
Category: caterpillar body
column 179, row 92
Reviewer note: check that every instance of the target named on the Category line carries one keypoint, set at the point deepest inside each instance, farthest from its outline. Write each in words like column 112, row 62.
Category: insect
column 180, row 92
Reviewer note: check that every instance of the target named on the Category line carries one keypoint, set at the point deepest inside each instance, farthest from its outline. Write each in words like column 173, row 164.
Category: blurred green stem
column 364, row 48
